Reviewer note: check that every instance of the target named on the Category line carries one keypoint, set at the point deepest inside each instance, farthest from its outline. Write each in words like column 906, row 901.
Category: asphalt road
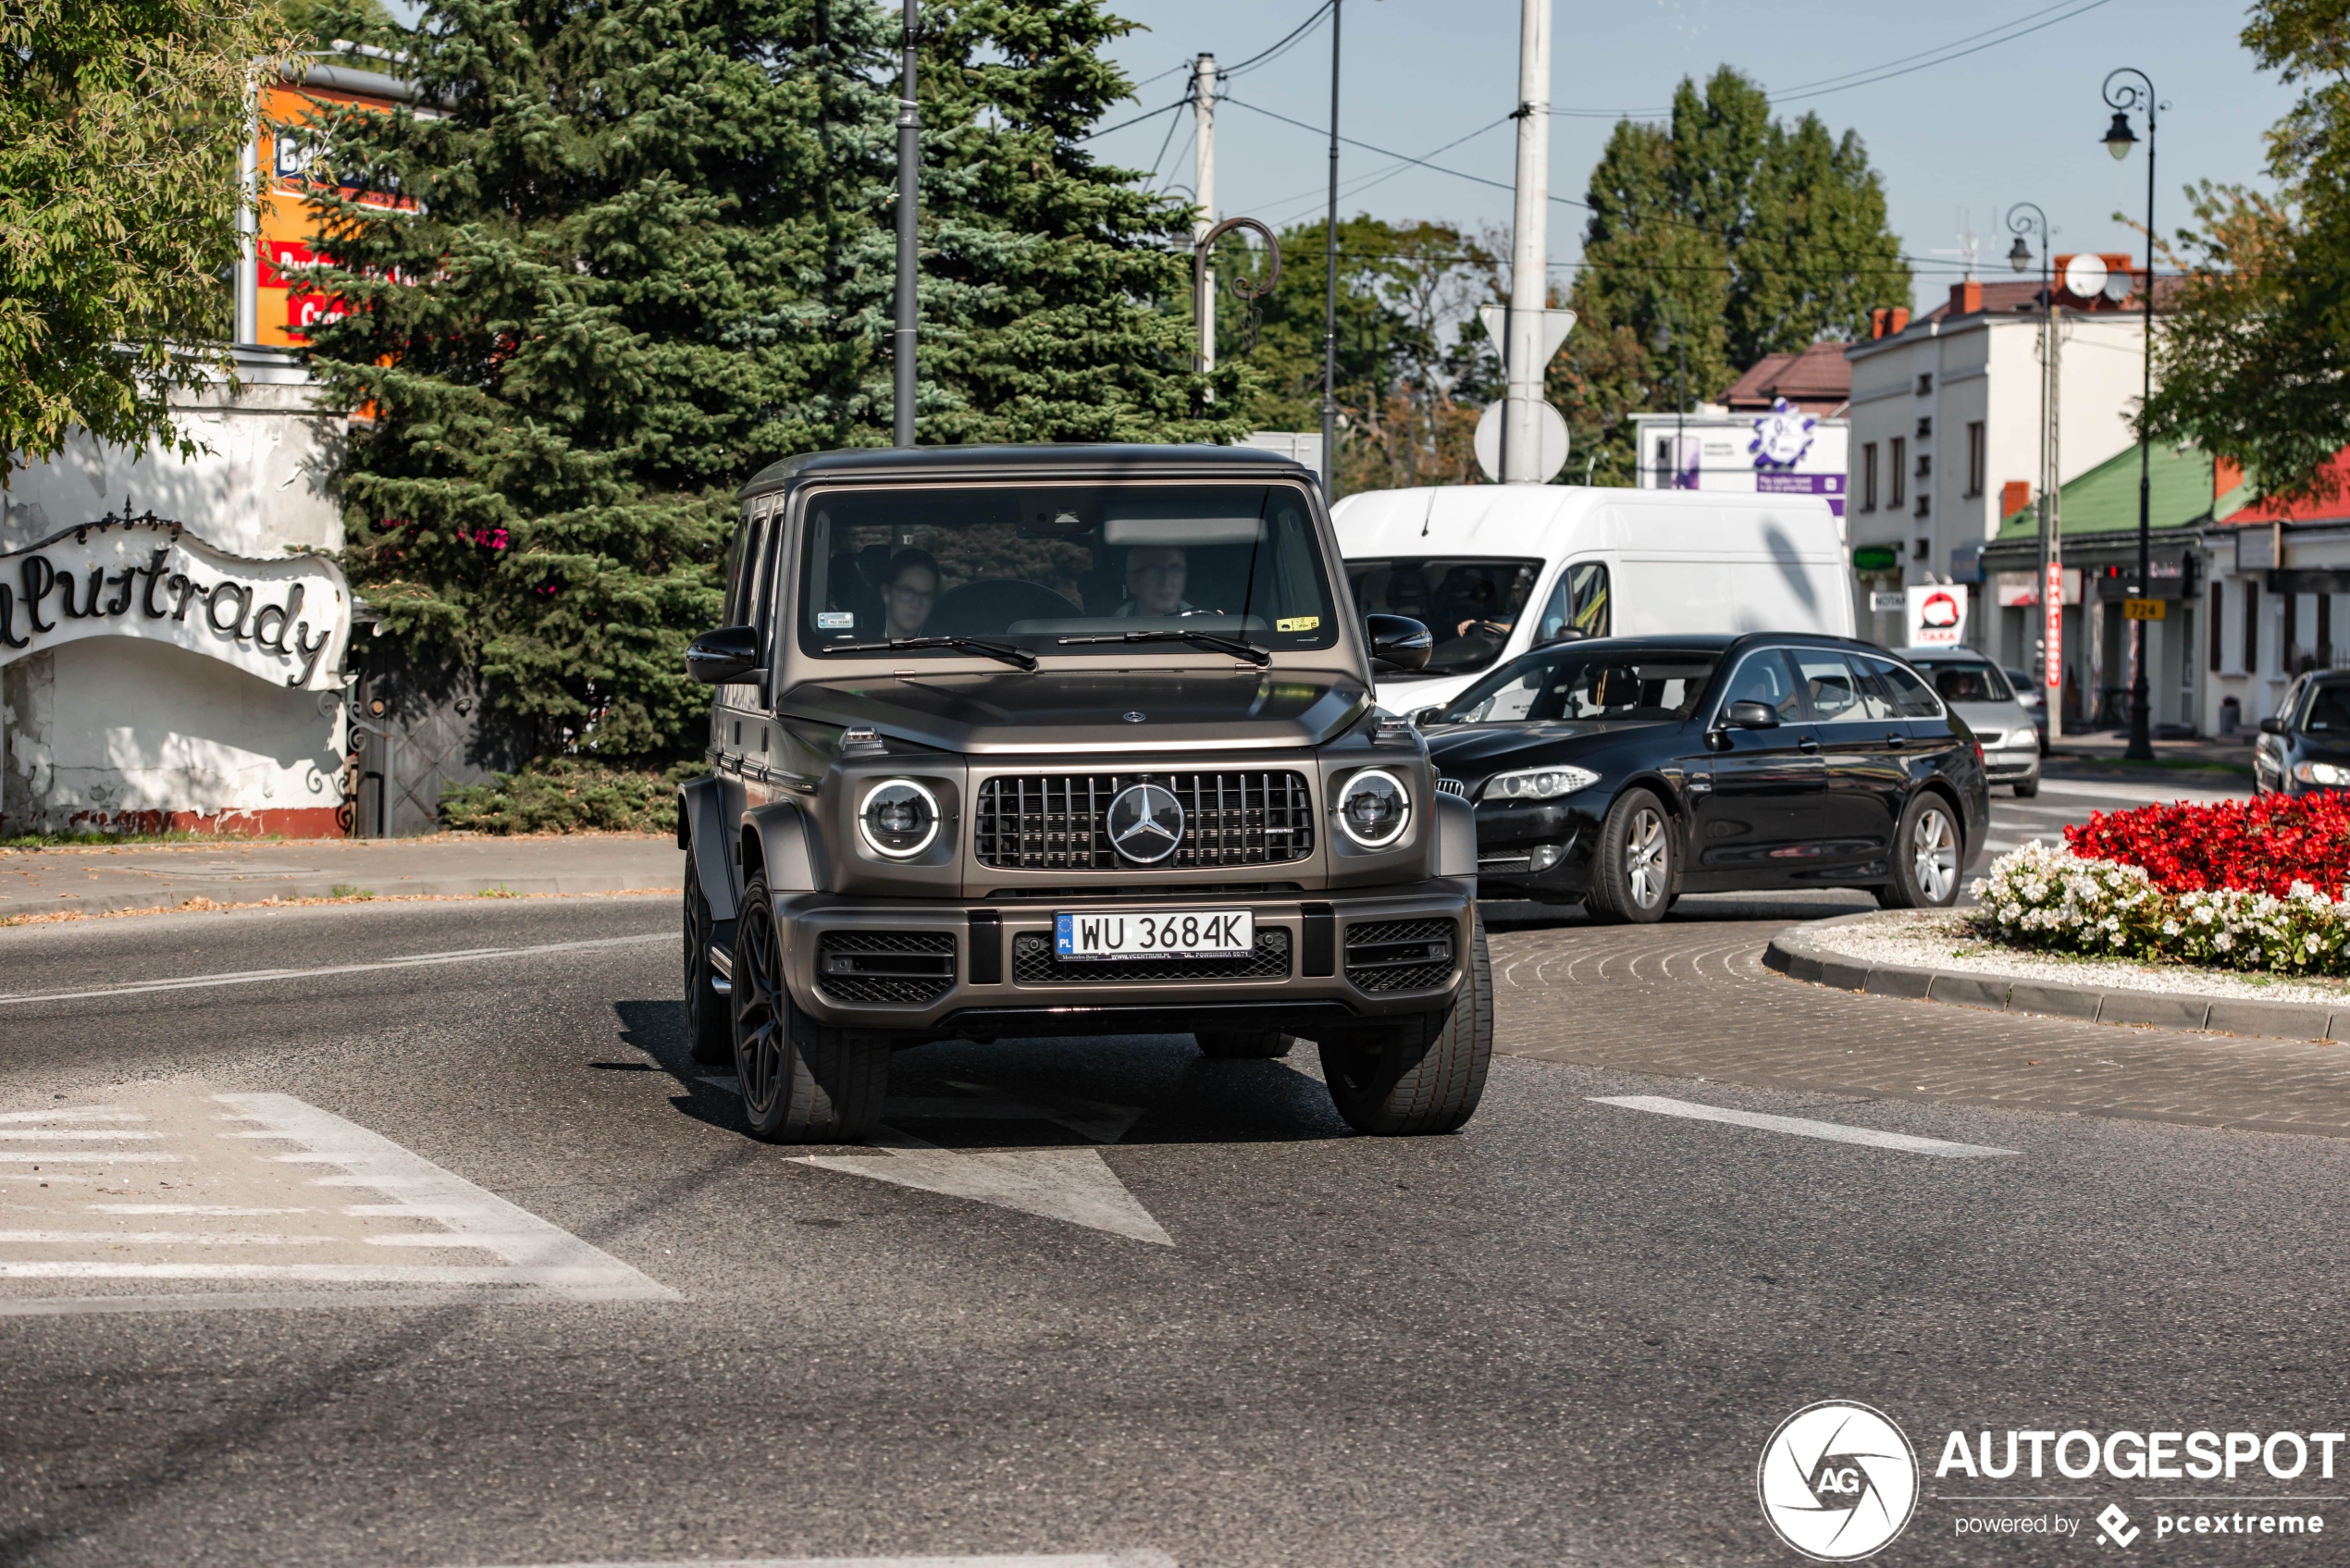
column 490, row 1274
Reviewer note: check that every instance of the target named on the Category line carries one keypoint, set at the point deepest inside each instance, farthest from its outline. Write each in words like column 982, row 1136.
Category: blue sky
column 1956, row 142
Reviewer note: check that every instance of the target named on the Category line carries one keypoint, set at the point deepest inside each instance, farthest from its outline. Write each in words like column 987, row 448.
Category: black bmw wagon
column 1622, row 772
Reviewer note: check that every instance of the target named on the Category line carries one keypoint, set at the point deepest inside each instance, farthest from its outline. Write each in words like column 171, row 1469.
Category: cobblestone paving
column 1690, row 999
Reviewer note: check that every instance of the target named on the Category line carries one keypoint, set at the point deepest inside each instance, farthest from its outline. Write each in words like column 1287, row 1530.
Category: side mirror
column 1751, row 716
column 2272, row 726
column 1564, row 634
column 727, row 654
column 1398, row 642
column 1423, row 717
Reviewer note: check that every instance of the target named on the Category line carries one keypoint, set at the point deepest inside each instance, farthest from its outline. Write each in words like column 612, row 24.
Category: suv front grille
column 1034, row 964
column 1058, row 822
column 1400, row 954
column 906, row 966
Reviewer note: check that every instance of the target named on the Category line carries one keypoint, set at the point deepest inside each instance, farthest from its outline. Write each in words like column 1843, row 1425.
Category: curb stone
column 1792, row 955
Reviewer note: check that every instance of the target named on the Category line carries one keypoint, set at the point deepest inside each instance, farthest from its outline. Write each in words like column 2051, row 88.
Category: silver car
column 1979, row 692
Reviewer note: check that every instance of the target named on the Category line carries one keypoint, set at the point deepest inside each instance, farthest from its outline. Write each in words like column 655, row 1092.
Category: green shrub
column 569, row 795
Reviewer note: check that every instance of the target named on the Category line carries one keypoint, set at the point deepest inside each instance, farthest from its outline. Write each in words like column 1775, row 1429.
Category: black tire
column 799, row 1083
column 1929, row 857
column 1428, row 1073
column 1258, row 1045
column 2027, row 789
column 709, row 1021
column 1633, row 873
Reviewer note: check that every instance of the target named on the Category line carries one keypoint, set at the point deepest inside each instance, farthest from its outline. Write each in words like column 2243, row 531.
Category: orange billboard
column 287, row 304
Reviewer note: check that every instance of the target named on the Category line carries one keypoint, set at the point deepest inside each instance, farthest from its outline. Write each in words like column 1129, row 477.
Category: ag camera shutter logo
column 1837, row 1481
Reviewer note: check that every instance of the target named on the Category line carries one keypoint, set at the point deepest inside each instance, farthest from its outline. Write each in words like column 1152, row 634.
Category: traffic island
column 1935, row 955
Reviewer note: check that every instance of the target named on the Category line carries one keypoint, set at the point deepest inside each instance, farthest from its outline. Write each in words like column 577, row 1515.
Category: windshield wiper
column 1232, row 646
column 1018, row 655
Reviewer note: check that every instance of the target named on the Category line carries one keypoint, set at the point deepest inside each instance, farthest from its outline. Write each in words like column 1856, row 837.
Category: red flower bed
column 2264, row 845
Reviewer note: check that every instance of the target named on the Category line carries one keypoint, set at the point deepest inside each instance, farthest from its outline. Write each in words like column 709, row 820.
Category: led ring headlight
column 899, row 818
column 1374, row 808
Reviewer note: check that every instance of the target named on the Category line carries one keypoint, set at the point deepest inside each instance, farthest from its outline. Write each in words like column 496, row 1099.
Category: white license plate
column 1170, row 933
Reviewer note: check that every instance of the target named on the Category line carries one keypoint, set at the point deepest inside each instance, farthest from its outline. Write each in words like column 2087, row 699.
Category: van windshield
column 1594, row 685
column 1469, row 606
column 1027, row 566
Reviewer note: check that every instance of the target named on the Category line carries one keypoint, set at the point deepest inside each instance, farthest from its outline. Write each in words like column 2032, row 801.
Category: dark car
column 1620, row 772
column 2305, row 747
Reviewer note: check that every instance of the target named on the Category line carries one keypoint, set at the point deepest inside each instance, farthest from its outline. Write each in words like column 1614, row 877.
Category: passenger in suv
column 1123, row 773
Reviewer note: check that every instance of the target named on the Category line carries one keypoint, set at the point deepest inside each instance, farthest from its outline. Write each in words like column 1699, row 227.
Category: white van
column 1494, row 570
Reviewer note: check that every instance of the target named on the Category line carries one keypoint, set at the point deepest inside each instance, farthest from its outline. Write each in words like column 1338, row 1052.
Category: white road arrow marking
column 1802, row 1127
column 1072, row 1185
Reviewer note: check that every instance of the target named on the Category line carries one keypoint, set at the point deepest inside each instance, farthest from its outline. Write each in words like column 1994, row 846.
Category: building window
column 1975, row 457
column 1868, row 476
column 1925, row 503
column 1925, row 385
column 2219, row 636
column 1925, row 465
column 2251, row 627
column 1900, row 451
column 2325, row 631
column 1925, row 429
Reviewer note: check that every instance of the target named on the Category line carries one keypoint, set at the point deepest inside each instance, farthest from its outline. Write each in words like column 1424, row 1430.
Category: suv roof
column 1073, row 460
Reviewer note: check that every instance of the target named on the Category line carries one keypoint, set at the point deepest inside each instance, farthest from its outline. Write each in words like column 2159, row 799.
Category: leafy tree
column 1715, row 239
column 2252, row 352
column 646, row 248
column 119, row 144
column 1412, row 367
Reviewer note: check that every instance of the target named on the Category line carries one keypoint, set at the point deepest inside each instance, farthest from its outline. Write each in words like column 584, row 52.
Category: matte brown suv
column 1020, row 741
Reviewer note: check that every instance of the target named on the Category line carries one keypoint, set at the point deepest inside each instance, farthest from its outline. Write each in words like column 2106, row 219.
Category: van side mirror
column 727, row 654
column 1751, row 716
column 1564, row 634
column 1398, row 642
column 2272, row 725
column 1423, row 717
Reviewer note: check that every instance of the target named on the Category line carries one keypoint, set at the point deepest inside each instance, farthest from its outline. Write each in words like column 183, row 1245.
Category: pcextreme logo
column 1838, row 1481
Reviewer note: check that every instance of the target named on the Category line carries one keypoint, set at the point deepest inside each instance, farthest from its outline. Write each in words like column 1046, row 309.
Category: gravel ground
column 1935, row 938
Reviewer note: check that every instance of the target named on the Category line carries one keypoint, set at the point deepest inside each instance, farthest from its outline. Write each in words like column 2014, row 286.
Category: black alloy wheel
column 1634, row 873
column 710, row 1024
column 799, row 1083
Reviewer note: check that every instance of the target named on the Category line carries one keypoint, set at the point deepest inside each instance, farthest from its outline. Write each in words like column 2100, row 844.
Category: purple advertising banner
column 1828, row 484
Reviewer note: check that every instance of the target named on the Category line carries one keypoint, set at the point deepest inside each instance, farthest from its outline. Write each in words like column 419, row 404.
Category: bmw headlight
column 1539, row 783
column 1374, row 808
column 2321, row 773
column 899, row 818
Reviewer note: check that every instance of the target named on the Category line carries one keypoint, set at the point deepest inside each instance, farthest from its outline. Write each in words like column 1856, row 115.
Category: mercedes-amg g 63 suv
column 1019, row 741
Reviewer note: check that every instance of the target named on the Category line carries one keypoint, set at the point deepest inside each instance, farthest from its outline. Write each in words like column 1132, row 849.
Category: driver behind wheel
column 910, row 592
column 1155, row 579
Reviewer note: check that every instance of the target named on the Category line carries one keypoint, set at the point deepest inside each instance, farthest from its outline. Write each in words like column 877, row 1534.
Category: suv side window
column 756, row 591
column 1578, row 604
column 1910, row 696
column 1763, row 676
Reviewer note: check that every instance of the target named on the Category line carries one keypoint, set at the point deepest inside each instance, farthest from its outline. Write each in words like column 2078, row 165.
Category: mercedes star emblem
column 1146, row 822
column 1135, row 715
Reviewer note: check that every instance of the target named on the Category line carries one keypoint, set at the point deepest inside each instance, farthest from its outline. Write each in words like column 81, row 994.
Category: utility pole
column 1529, row 252
column 1329, row 287
column 247, row 328
column 1204, row 190
column 909, row 161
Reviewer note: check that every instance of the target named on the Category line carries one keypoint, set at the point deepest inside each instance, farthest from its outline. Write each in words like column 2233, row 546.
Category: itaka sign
column 1937, row 614
column 286, row 621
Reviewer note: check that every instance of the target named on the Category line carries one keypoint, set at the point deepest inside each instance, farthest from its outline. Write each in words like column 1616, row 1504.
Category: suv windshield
column 1598, row 686
column 1026, row 567
column 1469, row 607
column 1966, row 680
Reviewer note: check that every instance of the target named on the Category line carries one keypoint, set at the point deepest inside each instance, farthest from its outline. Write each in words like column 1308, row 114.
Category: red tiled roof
column 2332, row 511
column 1815, row 379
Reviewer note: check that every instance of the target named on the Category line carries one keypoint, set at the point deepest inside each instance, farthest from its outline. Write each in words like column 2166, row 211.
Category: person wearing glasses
column 1155, row 580
column 910, row 592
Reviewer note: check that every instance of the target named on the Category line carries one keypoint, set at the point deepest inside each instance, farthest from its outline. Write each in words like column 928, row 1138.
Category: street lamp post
column 2118, row 140
column 2023, row 218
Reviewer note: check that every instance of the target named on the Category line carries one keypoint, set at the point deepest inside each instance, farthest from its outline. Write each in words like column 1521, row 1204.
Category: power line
column 1138, row 119
column 1264, row 55
column 1796, row 93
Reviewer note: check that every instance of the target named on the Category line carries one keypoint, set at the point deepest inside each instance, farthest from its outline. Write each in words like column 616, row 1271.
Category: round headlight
column 899, row 818
column 1374, row 808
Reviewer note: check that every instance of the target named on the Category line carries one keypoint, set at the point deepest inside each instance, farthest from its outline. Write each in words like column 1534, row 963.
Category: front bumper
column 986, row 969
column 2011, row 765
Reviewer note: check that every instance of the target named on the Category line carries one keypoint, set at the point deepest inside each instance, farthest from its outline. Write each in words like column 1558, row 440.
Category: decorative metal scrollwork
column 1248, row 289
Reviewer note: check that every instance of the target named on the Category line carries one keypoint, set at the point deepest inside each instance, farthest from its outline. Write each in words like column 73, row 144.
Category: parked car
column 1981, row 692
column 1495, row 570
column 2305, row 744
column 1065, row 740
column 1620, row 772
column 2034, row 698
